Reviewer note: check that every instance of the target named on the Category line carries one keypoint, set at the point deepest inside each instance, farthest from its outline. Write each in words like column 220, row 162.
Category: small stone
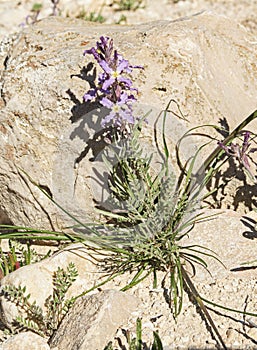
column 156, row 290
column 148, row 325
column 184, row 340
column 25, row 341
column 165, row 339
column 232, row 337
column 230, row 333
column 211, row 341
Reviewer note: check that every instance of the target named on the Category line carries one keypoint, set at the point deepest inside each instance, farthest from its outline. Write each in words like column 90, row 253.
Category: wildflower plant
column 92, row 16
column 55, row 7
column 128, row 5
column 33, row 17
column 35, row 12
column 144, row 225
column 18, row 255
column 241, row 154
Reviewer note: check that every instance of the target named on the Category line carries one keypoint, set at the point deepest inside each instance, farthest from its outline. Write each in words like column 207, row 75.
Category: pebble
column 230, row 333
column 252, row 332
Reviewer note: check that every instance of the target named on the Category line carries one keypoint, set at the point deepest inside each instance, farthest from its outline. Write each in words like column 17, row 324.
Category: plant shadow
column 234, row 175
column 251, row 224
column 88, row 116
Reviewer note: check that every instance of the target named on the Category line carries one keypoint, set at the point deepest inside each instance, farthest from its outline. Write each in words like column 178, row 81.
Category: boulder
column 24, row 341
column 94, row 320
column 207, row 63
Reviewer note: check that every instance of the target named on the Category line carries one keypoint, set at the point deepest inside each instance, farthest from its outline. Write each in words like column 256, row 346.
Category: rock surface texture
column 93, row 320
column 207, row 63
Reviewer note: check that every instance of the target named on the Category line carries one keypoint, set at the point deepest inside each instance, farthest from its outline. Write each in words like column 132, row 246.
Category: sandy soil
column 13, row 12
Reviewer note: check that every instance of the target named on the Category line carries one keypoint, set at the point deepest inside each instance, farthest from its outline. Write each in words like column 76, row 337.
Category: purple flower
column 241, row 153
column 90, row 95
column 115, row 75
column 121, row 111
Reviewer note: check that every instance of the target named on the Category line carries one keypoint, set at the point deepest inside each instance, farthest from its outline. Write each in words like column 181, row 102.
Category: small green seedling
column 31, row 316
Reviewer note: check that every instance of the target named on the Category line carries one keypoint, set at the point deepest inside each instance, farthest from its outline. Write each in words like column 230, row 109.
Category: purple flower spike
column 246, row 144
column 113, row 84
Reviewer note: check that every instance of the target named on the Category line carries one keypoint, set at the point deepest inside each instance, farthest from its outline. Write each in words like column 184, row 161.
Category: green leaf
column 139, row 334
column 157, row 344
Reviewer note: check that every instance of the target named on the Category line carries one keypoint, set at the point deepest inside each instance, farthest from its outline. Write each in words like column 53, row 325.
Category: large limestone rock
column 207, row 63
